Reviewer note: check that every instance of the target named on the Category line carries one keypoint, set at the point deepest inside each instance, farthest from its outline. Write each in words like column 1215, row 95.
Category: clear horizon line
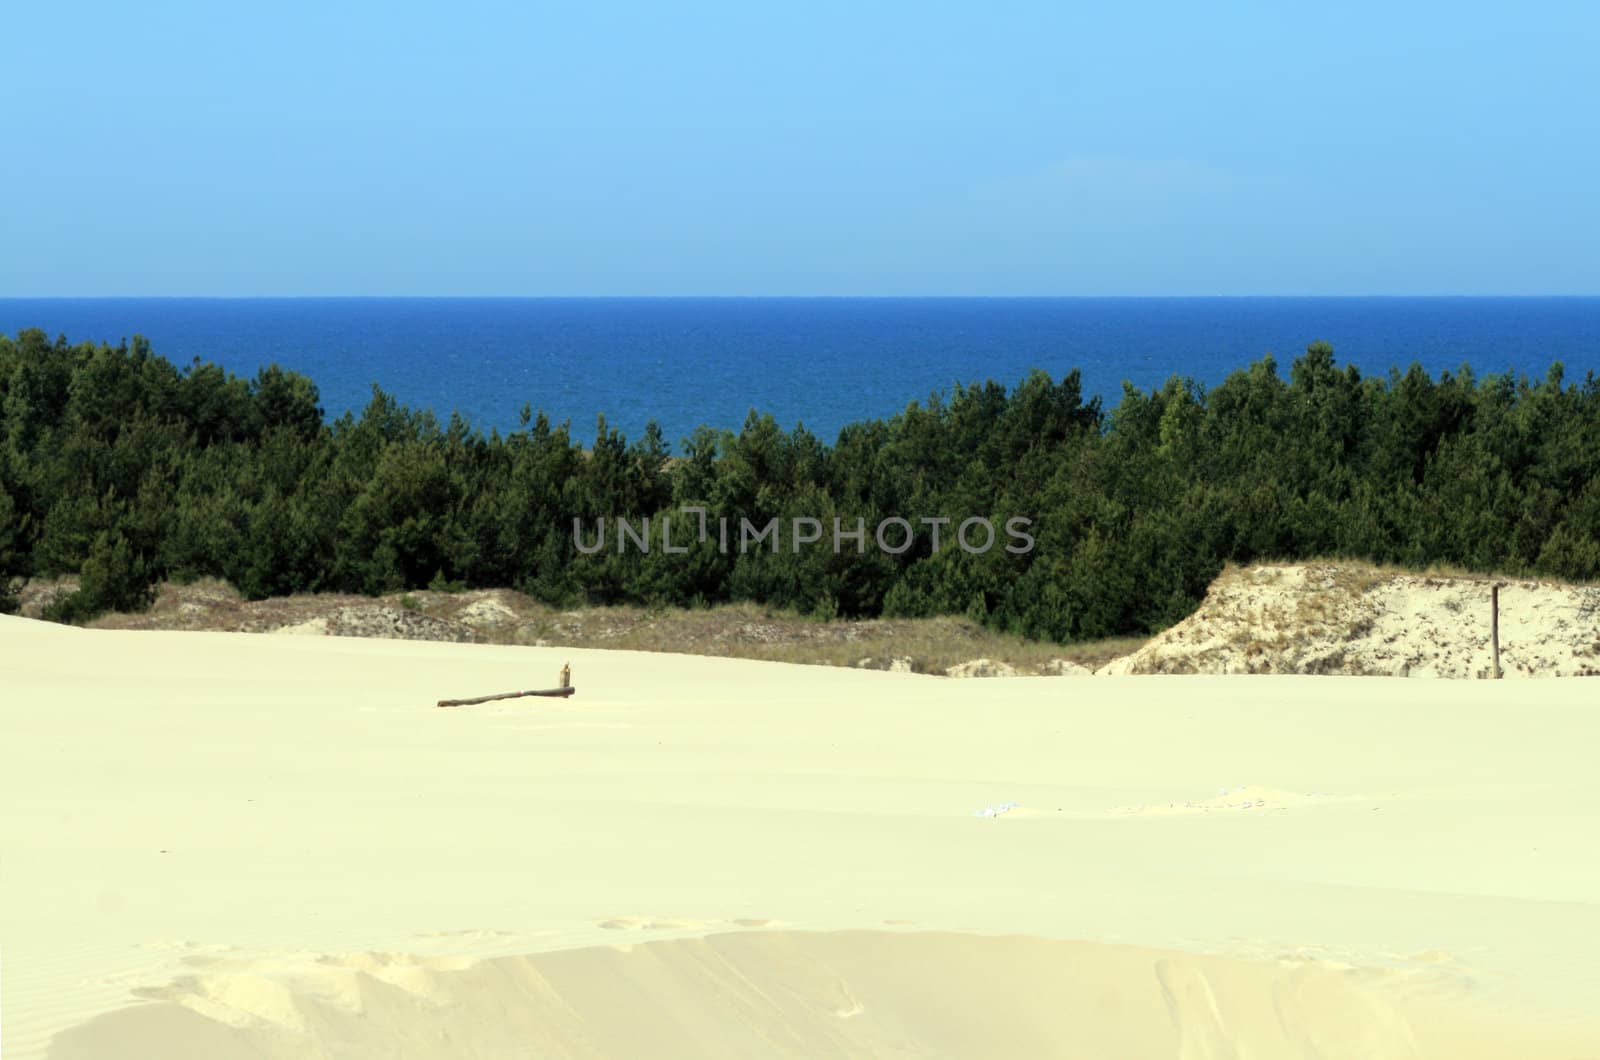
column 771, row 297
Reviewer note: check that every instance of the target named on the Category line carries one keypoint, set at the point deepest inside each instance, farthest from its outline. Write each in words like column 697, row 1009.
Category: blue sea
column 824, row 362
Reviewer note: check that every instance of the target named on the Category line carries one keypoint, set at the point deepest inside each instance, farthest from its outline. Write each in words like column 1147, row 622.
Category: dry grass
column 1364, row 574
column 747, row 631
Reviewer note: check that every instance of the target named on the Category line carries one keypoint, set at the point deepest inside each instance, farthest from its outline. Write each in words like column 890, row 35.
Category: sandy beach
column 227, row 845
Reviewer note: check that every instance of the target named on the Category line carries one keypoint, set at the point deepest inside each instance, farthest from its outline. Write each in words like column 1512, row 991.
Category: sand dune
column 1355, row 620
column 800, row 994
column 226, row 845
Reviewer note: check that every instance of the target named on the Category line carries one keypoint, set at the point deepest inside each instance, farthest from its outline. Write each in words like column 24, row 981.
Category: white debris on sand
column 1247, row 799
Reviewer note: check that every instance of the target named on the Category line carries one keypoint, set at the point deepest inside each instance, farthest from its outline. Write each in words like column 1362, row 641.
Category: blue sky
column 820, row 148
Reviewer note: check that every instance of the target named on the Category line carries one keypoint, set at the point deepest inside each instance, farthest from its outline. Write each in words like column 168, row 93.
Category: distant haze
column 495, row 148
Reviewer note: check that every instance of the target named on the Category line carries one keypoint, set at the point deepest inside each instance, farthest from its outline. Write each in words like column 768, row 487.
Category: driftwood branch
column 563, row 693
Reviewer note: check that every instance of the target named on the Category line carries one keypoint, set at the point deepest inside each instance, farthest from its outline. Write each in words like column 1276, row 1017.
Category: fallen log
column 562, row 692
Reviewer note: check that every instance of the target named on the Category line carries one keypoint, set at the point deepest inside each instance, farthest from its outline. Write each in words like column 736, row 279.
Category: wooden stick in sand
column 563, row 692
column 1494, row 624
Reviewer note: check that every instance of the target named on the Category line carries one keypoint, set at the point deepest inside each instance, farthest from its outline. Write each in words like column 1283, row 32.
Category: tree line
column 125, row 469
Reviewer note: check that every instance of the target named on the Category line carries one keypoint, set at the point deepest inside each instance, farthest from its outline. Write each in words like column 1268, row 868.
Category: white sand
column 228, row 845
column 1347, row 618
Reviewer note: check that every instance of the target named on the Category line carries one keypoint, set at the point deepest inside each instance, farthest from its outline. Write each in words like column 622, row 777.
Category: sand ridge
column 793, row 994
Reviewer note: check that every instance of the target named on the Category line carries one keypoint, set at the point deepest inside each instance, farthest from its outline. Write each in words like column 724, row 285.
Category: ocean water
column 824, row 362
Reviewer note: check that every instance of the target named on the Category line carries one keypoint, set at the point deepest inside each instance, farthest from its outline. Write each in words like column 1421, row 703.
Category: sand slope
column 223, row 845
column 805, row 994
column 1346, row 618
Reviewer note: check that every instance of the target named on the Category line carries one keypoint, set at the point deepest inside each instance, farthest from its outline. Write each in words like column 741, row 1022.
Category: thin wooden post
column 1494, row 625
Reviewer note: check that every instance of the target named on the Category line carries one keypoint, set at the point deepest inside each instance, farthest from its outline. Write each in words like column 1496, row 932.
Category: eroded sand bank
column 277, row 846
